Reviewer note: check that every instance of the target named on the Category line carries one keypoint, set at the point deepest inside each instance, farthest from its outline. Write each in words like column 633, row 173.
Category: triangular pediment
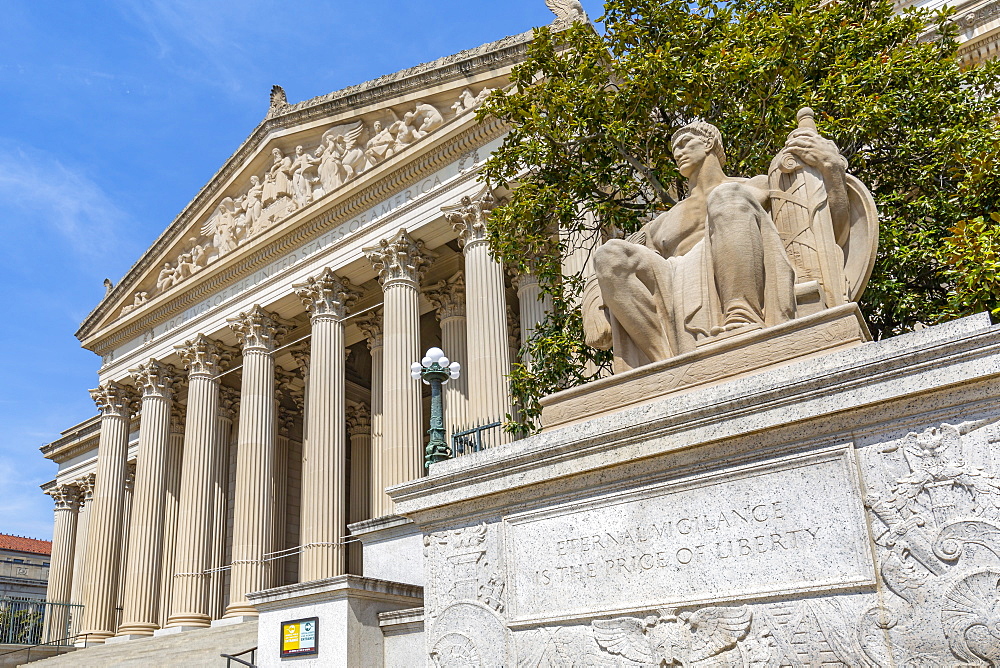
column 301, row 156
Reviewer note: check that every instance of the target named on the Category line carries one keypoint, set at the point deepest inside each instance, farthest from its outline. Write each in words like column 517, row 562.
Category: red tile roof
column 22, row 544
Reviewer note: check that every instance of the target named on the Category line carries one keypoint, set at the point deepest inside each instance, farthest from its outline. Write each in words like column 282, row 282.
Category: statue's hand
column 815, row 151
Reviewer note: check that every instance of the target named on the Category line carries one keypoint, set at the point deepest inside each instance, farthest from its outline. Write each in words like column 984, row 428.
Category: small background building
column 24, row 567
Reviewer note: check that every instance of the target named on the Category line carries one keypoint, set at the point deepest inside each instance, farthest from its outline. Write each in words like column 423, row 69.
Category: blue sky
column 113, row 115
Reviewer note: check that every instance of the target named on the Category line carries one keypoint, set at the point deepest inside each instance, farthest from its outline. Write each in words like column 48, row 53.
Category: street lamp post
column 435, row 370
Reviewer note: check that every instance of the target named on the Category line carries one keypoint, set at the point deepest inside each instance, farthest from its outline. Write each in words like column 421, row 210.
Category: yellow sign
column 299, row 637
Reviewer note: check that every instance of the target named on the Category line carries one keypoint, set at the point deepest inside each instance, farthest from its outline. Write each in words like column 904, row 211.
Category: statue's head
column 693, row 143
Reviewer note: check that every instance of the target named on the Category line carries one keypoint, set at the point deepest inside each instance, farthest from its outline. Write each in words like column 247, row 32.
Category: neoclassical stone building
column 254, row 396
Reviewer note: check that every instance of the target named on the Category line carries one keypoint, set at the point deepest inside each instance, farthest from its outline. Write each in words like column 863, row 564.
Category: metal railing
column 235, row 657
column 476, row 438
column 26, row 621
column 62, row 645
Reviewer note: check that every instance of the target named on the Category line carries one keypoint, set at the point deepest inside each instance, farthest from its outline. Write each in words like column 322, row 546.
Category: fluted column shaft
column 327, row 297
column 253, row 513
column 192, row 558
column 171, row 505
column 140, row 613
column 360, row 430
column 486, row 312
column 371, row 327
column 220, row 502
column 60, row 585
column 532, row 305
column 400, row 263
column 488, row 344
column 104, row 538
column 86, row 487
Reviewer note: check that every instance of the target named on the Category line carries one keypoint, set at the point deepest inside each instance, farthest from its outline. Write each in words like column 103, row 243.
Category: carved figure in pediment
column 380, row 146
column 252, row 203
column 467, row 101
column 167, row 278
column 342, row 159
column 303, row 175
column 139, row 299
column 277, row 181
column 426, row 118
column 224, row 227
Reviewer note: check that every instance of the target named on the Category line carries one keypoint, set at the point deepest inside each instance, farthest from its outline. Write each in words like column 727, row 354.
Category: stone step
column 200, row 647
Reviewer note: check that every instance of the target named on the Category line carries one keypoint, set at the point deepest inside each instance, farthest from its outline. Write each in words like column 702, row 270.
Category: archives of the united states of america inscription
column 795, row 525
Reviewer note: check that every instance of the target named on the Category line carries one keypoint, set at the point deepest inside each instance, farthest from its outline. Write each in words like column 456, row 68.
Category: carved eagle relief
column 567, row 10
column 668, row 639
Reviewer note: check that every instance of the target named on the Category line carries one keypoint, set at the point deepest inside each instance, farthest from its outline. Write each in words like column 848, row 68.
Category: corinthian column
column 253, row 535
column 488, row 345
column 145, row 548
column 67, row 502
column 533, row 305
column 228, row 403
column 400, row 263
column 448, row 298
column 202, row 358
column 86, row 487
column 327, row 298
column 104, row 540
column 359, row 427
column 371, row 328
column 171, row 504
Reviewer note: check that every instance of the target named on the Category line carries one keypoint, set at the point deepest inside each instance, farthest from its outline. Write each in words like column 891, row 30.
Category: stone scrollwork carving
column 401, row 258
column 291, row 182
column 327, row 294
column 258, row 329
column 468, row 561
column 469, row 216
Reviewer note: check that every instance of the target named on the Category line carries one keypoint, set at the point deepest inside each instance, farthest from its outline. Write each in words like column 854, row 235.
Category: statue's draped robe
column 687, row 299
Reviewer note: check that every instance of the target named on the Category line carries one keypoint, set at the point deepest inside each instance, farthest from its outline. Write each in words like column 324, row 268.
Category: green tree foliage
column 591, row 112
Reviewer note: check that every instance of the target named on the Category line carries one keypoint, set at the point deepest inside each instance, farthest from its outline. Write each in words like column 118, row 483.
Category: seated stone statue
column 718, row 264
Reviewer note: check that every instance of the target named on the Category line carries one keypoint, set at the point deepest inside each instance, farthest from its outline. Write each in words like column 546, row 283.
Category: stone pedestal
column 347, row 608
column 392, row 549
column 836, row 507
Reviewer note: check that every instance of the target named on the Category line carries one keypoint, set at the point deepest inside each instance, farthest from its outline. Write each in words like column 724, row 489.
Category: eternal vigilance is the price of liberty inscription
column 792, row 525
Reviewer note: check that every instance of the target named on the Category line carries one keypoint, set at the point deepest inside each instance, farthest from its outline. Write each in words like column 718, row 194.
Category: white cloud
column 36, row 188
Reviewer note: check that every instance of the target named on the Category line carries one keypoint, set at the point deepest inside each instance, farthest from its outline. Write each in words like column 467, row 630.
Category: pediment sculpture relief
column 293, row 181
column 737, row 254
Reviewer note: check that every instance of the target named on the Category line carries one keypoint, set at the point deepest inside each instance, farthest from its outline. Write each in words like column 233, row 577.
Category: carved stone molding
column 401, row 259
column 202, row 355
column 86, row 487
column 155, row 379
column 327, row 294
column 469, row 216
column 66, row 496
column 448, row 297
column 113, row 399
column 359, row 419
column 302, row 357
column 371, row 329
column 286, row 421
column 178, row 416
column 258, row 330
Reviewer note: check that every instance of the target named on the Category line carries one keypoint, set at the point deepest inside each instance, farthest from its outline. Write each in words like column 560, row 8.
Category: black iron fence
column 26, row 621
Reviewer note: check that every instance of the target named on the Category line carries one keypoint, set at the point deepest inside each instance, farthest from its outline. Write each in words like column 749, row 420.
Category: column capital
column 326, row 294
column 371, row 329
column 401, row 259
column 302, row 357
column 286, row 421
column 359, row 420
column 521, row 281
column 65, row 496
column 178, row 414
column 129, row 474
column 155, row 379
column 113, row 399
column 469, row 216
column 229, row 402
column 203, row 356
column 448, row 297
column 86, row 487
column 258, row 329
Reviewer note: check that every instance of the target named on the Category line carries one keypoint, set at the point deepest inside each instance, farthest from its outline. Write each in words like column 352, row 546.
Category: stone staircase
column 191, row 649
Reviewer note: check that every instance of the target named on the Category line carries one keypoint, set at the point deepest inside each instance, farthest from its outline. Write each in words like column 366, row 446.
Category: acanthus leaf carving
column 469, row 216
column 202, row 355
column 327, row 294
column 400, row 258
column 113, row 399
column 155, row 379
column 258, row 329
column 359, row 419
column 448, row 297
